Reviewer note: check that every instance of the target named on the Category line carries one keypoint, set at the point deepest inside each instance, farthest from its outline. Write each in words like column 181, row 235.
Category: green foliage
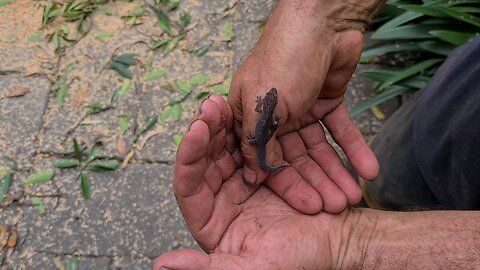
column 416, row 37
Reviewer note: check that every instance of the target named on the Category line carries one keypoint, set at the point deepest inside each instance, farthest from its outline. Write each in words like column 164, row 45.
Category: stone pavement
column 132, row 216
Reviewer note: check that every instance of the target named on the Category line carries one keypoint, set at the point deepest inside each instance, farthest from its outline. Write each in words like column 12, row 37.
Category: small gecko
column 266, row 126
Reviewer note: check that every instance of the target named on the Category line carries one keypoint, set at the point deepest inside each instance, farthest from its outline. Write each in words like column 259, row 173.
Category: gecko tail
column 270, row 169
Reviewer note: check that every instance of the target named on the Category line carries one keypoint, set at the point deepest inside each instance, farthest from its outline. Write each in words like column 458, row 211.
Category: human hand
column 309, row 60
column 240, row 225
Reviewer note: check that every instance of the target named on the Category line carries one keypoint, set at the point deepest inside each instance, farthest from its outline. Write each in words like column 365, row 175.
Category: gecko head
column 273, row 92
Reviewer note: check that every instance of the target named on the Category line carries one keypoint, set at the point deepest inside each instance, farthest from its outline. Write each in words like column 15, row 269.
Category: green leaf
column 161, row 42
column 154, row 75
column 101, row 35
column 202, row 95
column 461, row 16
column 177, row 138
column 85, row 186
column 40, row 177
column 199, row 80
column 220, row 89
column 177, row 112
column 163, row 21
column 149, row 123
column 203, row 49
column 121, row 69
column 184, row 87
column 61, row 94
column 228, row 31
column 10, row 162
column 440, row 48
column 66, row 163
column 5, row 185
column 185, row 19
column 6, row 2
column 424, row 10
column 172, row 44
column 35, row 37
column 76, row 150
column 386, row 95
column 178, row 98
column 127, row 59
column 97, row 107
column 94, row 152
column 452, row 37
column 101, row 166
column 166, row 113
column 38, row 203
column 417, row 82
column 370, row 53
column 127, row 83
column 408, row 72
column 8, row 40
column 415, row 31
column 123, row 123
column 103, row 9
column 72, row 264
column 399, row 20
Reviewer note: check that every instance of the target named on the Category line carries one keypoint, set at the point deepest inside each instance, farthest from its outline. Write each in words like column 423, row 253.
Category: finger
column 194, row 197
column 320, row 150
column 349, row 138
column 196, row 260
column 218, row 118
column 333, row 198
column 293, row 189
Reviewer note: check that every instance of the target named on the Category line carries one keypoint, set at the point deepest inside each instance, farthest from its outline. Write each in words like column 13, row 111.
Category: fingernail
column 249, row 175
column 199, row 110
column 191, row 124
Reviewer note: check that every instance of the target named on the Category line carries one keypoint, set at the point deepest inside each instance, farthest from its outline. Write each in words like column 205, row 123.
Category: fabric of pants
column 429, row 150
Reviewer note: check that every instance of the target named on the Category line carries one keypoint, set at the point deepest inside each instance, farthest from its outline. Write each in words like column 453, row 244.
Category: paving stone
column 131, row 213
column 21, row 117
column 120, row 263
column 34, row 260
column 20, row 20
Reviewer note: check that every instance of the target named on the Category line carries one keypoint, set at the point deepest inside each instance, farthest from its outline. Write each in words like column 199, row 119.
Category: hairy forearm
column 339, row 15
column 417, row 240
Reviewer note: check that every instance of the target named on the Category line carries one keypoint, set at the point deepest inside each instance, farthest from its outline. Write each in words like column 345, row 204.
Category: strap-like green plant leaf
column 415, row 31
column 461, row 16
column 408, row 72
column 424, row 10
column 437, row 47
column 399, row 20
column 416, row 82
column 373, row 52
column 380, row 98
column 452, row 37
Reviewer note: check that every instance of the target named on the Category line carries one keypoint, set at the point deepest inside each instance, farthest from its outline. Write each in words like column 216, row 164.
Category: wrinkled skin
column 242, row 226
column 310, row 65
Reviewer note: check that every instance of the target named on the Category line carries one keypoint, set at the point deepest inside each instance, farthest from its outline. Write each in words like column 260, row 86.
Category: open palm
column 241, row 226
